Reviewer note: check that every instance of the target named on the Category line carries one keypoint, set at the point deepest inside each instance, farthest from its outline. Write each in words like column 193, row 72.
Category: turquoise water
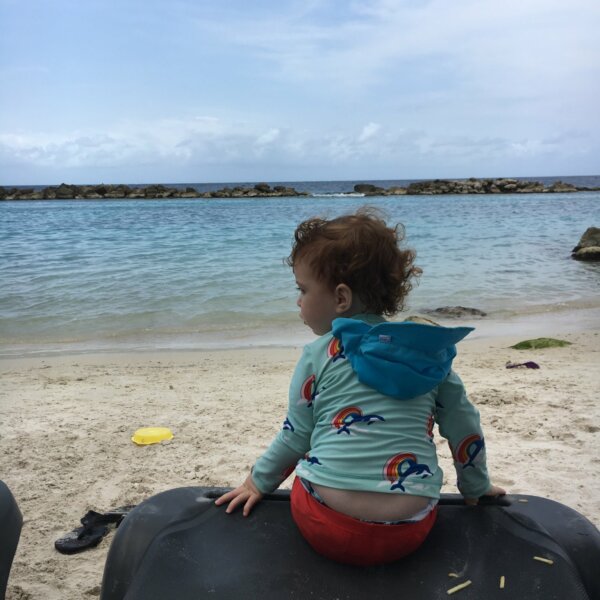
column 197, row 273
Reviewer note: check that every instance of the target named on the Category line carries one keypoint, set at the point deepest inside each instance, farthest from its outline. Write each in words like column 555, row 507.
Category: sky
column 176, row 91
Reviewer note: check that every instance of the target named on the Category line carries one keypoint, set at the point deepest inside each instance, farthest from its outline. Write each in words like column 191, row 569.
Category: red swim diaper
column 352, row 541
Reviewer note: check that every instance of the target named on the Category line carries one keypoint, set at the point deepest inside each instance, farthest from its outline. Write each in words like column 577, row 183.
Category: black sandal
column 95, row 526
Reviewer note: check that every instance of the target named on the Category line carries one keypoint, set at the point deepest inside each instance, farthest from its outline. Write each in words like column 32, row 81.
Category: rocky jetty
column 260, row 190
column 471, row 186
column 588, row 247
column 264, row 190
column 98, row 192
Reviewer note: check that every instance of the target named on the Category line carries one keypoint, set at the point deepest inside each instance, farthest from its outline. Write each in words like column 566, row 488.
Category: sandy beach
column 66, row 424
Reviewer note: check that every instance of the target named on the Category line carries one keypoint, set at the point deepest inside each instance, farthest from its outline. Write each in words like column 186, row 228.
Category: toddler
column 363, row 402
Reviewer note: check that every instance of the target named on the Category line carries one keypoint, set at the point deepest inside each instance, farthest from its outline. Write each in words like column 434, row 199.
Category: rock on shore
column 588, row 247
column 455, row 312
column 97, row 192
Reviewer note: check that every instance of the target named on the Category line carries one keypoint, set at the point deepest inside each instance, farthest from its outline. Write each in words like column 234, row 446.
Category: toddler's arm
column 291, row 443
column 459, row 423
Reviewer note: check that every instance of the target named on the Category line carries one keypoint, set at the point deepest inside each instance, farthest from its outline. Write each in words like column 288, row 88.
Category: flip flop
column 112, row 517
column 81, row 539
column 95, row 526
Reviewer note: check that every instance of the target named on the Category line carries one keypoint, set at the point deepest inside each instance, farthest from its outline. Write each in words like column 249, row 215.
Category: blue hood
column 402, row 360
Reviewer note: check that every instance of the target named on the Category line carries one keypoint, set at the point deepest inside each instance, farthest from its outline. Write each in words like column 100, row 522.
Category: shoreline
column 561, row 318
column 66, row 423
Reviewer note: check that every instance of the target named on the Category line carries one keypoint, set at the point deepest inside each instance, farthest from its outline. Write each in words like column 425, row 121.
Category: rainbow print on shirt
column 401, row 466
column 351, row 415
column 470, row 450
column 335, row 350
column 308, row 390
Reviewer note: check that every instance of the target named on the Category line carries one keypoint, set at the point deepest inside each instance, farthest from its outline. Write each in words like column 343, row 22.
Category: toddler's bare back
column 372, row 506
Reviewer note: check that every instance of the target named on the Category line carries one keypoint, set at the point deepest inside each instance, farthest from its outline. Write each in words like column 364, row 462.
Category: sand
column 66, row 424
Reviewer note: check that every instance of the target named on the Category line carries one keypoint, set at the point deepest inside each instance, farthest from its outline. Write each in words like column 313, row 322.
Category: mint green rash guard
column 363, row 402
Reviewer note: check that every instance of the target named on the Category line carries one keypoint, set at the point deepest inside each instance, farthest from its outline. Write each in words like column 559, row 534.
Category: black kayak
column 11, row 522
column 179, row 545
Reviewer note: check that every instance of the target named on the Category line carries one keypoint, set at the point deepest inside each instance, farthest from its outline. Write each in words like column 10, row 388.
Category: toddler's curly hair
column 361, row 251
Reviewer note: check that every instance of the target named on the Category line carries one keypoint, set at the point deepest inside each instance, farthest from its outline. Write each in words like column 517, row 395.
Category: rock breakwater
column 471, row 186
column 263, row 190
column 98, row 192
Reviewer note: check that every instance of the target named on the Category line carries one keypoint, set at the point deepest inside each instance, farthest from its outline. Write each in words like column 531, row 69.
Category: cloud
column 178, row 144
column 268, row 137
column 385, row 85
column 495, row 43
column 369, row 131
column 483, row 70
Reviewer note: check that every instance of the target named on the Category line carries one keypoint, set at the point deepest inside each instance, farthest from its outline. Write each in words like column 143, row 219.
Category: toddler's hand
column 246, row 494
column 493, row 491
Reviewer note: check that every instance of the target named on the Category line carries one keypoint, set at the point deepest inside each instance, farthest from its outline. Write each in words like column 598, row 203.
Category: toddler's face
column 316, row 301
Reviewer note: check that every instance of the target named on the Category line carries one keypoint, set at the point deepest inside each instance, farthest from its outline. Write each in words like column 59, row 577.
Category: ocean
column 104, row 275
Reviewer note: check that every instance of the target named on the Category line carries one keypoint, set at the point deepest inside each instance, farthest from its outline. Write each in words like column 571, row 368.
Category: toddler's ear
column 343, row 298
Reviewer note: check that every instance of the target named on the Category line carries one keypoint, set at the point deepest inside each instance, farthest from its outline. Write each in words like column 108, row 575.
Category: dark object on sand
column 95, row 526
column 529, row 364
column 540, row 343
column 11, row 522
column 81, row 538
column 178, row 544
column 456, row 312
